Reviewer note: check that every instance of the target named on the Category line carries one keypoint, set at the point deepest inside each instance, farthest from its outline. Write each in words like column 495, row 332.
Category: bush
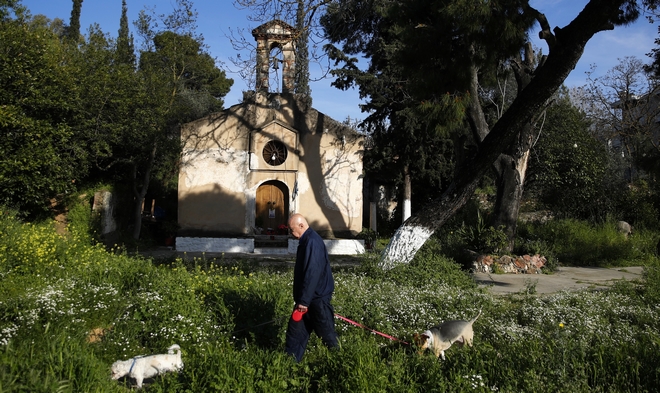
column 652, row 287
column 469, row 233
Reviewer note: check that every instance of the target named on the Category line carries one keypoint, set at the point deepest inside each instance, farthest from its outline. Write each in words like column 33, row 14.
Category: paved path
column 566, row 278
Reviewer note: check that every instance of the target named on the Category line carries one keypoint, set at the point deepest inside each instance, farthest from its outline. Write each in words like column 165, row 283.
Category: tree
column 565, row 48
column 408, row 154
column 38, row 160
column 410, row 130
column 73, row 31
column 7, row 7
column 397, row 42
column 568, row 165
column 622, row 104
column 654, row 67
column 125, row 48
column 511, row 166
column 178, row 82
column 106, row 101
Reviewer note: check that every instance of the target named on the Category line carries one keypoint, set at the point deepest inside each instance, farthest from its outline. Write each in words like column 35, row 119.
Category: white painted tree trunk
column 407, row 194
column 404, row 245
column 407, row 209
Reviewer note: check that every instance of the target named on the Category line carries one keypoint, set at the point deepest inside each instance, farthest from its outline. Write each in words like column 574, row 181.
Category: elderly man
column 312, row 291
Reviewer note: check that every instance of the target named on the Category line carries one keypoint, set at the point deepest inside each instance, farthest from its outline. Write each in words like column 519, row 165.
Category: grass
column 230, row 318
column 578, row 243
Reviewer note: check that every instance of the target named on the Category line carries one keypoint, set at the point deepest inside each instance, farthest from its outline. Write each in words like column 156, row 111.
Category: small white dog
column 141, row 367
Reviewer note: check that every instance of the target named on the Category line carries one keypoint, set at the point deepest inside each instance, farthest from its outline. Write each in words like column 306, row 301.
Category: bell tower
column 276, row 37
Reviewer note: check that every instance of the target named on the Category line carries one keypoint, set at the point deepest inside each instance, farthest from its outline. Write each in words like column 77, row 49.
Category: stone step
column 271, row 250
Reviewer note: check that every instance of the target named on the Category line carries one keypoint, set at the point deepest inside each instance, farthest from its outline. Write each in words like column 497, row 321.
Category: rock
column 624, row 227
column 524, row 264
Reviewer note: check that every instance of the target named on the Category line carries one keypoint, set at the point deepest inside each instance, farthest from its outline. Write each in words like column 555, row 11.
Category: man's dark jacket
column 312, row 276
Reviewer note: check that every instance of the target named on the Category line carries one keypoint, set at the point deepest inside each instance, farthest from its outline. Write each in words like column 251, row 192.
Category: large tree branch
column 563, row 56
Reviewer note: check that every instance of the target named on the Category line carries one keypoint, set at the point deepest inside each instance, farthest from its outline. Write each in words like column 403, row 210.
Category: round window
column 275, row 153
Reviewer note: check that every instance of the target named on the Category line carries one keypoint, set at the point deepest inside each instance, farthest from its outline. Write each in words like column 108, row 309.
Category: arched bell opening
column 276, row 66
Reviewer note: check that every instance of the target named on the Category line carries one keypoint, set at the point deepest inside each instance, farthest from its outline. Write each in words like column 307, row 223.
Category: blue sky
column 217, row 17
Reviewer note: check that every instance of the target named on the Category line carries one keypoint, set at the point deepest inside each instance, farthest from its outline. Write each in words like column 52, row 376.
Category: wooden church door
column 272, row 206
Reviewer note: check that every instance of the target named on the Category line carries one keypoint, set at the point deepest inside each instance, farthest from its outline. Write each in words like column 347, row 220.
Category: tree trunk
column 139, row 192
column 566, row 48
column 475, row 114
column 407, row 194
column 373, row 205
column 511, row 166
column 510, row 186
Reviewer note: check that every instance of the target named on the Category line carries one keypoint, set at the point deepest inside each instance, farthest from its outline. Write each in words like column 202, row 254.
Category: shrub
column 482, row 238
column 652, row 287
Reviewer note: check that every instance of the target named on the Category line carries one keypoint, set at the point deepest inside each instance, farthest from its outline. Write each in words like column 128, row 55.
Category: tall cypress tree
column 125, row 48
column 73, row 32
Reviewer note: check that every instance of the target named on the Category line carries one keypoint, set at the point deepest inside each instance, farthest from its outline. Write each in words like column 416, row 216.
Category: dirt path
column 566, row 278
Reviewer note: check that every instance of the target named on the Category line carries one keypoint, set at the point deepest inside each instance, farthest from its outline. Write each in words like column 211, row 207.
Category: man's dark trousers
column 320, row 318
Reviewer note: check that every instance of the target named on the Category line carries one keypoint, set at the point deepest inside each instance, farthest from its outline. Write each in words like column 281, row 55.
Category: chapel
column 246, row 169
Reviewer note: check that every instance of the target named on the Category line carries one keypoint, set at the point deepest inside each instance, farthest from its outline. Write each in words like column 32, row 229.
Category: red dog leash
column 371, row 330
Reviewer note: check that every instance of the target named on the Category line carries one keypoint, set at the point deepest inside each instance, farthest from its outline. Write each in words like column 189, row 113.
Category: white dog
column 141, row 367
column 441, row 337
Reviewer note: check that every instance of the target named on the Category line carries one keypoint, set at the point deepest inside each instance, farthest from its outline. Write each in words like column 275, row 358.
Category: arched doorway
column 272, row 206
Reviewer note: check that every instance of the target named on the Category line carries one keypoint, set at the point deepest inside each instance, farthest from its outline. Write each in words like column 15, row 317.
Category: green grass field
column 68, row 310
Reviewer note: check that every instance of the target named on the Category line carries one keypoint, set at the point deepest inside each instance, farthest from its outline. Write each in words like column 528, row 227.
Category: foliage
column 188, row 74
column 469, row 231
column 7, row 7
column 482, row 237
column 532, row 246
column 73, row 30
column 125, row 52
column 408, row 128
column 463, row 37
column 37, row 159
column 75, row 109
column 369, row 236
column 652, row 278
column 230, row 318
column 568, row 166
column 639, row 205
column 133, row 116
column 428, row 265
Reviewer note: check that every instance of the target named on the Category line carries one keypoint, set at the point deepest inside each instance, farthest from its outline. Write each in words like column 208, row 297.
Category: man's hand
column 301, row 308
